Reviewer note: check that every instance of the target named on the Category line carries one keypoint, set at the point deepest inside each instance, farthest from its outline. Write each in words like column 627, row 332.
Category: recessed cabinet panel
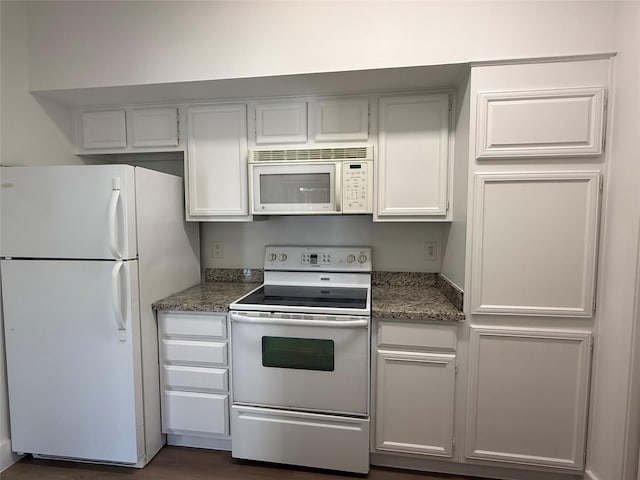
column 194, row 324
column 417, row 335
column 216, row 171
column 281, row 123
column 534, row 243
column 185, row 377
column 195, row 351
column 341, row 120
column 413, row 157
column 154, row 127
column 195, row 412
column 104, row 129
column 540, row 123
column 414, row 403
column 528, row 393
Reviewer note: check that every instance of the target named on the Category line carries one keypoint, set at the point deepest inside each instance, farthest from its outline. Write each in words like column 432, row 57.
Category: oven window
column 300, row 353
column 295, row 188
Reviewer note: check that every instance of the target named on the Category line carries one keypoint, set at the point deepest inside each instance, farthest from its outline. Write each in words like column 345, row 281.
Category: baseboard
column 199, row 442
column 7, row 457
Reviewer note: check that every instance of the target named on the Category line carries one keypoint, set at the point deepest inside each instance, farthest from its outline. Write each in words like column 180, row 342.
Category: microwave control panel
column 357, row 188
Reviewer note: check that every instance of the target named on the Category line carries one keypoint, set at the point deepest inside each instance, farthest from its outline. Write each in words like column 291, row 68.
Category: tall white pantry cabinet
column 535, row 176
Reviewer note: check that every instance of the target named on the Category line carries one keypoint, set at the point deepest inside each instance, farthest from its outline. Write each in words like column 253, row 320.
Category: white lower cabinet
column 528, row 396
column 414, row 392
column 194, row 379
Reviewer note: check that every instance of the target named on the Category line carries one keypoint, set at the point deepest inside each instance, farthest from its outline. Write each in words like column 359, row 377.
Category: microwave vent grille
column 310, row 154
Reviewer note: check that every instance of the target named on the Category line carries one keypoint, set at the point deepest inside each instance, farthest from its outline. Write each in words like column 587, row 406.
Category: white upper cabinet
column 103, row 129
column 528, row 396
column 279, row 123
column 340, row 120
column 413, row 157
column 534, row 243
column 128, row 130
column 540, row 123
column 216, row 163
column 154, row 127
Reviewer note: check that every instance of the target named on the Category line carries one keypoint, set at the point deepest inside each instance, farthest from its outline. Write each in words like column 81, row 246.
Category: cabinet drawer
column 193, row 324
column 193, row 412
column 179, row 376
column 416, row 335
column 193, row 351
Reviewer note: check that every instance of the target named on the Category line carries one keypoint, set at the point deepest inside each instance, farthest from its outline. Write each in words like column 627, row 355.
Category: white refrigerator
column 85, row 252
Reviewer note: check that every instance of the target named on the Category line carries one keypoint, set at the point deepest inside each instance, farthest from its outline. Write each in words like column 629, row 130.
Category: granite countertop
column 395, row 296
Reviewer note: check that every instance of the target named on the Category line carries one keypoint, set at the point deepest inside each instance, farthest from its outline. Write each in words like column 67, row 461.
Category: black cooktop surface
column 297, row 296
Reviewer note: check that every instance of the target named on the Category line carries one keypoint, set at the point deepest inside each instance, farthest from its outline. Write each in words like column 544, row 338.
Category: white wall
column 91, row 44
column 395, row 246
column 612, row 419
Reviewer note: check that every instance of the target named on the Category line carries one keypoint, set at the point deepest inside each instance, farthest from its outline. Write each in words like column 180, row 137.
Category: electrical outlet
column 217, row 250
column 431, row 251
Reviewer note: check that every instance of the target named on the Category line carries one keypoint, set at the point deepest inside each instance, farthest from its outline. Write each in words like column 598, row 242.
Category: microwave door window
column 295, row 188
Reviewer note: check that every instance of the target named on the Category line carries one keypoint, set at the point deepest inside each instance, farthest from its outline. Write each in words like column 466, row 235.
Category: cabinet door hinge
column 450, row 104
column 601, row 183
column 447, row 206
column 593, row 306
column 453, row 445
column 455, row 368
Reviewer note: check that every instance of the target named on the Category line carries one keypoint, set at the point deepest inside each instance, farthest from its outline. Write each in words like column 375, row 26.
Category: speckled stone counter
column 395, row 295
column 414, row 296
column 210, row 296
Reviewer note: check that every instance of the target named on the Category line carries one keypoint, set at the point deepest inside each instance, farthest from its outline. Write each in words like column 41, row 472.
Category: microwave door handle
column 338, row 192
column 235, row 317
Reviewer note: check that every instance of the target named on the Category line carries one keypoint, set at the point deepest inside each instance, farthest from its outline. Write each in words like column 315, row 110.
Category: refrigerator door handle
column 116, row 291
column 113, row 219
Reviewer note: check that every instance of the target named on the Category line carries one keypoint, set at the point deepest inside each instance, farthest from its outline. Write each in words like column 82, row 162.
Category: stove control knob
column 283, row 257
column 362, row 258
column 351, row 258
column 272, row 257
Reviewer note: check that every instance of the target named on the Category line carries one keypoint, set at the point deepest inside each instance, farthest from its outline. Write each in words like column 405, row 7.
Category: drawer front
column 193, row 412
column 191, row 324
column 179, row 376
column 416, row 335
column 194, row 351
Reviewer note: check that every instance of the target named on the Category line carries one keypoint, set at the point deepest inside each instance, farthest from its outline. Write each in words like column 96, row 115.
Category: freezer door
column 74, row 376
column 80, row 211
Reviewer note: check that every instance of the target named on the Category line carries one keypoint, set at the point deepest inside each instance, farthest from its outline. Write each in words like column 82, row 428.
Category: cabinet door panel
column 528, row 392
column 281, row 123
column 413, row 156
column 340, row 120
column 154, row 127
column 193, row 324
column 414, row 402
column 192, row 351
column 534, row 243
column 416, row 335
column 104, row 129
column 217, row 162
column 540, row 123
column 193, row 412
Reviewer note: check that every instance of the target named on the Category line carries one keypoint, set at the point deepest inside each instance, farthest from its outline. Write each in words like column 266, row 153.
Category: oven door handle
column 235, row 317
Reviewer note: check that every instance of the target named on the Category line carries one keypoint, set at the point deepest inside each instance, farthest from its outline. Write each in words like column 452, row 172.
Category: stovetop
column 333, row 280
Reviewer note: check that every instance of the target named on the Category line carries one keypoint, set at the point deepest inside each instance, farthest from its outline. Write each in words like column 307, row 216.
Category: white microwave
column 311, row 181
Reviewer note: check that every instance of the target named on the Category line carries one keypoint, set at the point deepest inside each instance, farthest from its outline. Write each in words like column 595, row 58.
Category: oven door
column 304, row 362
column 295, row 188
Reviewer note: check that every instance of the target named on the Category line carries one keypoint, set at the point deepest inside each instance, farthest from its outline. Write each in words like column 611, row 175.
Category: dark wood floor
column 177, row 463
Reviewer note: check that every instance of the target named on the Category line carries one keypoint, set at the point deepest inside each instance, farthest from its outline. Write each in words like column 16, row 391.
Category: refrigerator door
column 73, row 359
column 79, row 211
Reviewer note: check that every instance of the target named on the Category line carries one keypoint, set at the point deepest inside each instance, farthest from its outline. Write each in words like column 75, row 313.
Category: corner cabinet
column 528, row 396
column 413, row 158
column 216, row 163
column 414, row 388
column 128, row 130
column 194, row 378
